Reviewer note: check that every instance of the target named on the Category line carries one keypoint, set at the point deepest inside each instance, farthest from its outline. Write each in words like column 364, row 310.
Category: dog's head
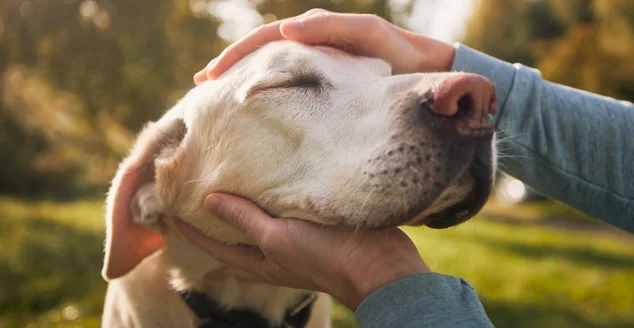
column 310, row 133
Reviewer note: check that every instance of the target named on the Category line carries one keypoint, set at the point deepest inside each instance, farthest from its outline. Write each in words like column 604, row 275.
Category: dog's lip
column 470, row 205
column 454, row 214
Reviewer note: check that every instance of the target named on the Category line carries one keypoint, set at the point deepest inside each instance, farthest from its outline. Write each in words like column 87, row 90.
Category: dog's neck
column 193, row 269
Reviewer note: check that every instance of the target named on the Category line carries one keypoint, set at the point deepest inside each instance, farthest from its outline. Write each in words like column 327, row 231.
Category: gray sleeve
column 423, row 300
column 567, row 144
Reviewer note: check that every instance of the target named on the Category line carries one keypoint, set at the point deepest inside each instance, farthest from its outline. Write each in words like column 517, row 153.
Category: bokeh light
column 26, row 8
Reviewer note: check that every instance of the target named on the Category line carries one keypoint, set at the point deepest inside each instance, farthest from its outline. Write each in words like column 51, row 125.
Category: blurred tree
column 586, row 44
column 79, row 77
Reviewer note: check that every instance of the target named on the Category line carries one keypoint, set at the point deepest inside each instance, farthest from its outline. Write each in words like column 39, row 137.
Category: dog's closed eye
column 306, row 80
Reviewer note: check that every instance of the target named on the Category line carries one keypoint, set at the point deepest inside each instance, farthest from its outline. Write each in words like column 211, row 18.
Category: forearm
column 423, row 300
column 567, row 144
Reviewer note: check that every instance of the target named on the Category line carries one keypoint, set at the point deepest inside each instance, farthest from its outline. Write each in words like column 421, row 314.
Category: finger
column 332, row 28
column 240, row 214
column 201, row 76
column 245, row 257
column 255, row 39
column 238, row 50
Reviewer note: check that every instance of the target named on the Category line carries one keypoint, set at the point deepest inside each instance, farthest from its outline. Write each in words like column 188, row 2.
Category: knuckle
column 316, row 11
column 374, row 25
column 372, row 21
column 239, row 214
column 328, row 23
column 266, row 238
column 272, row 238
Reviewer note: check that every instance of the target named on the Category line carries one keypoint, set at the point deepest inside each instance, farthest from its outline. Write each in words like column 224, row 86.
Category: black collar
column 211, row 315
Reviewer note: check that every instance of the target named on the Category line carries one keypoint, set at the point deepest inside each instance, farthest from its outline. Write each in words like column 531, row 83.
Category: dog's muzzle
column 462, row 104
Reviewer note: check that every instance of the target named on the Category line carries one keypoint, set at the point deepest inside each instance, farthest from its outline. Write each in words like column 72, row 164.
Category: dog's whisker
column 514, row 156
column 404, row 204
column 194, row 180
column 367, row 197
column 522, row 160
column 507, row 135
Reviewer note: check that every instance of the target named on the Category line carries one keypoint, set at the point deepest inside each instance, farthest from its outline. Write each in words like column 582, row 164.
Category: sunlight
column 90, row 11
column 238, row 18
column 442, row 20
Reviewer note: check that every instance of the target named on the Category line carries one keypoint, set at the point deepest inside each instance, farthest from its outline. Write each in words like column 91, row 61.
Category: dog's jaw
column 193, row 269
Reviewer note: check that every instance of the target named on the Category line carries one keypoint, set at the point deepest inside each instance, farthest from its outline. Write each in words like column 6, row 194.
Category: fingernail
column 293, row 26
column 212, row 203
column 198, row 76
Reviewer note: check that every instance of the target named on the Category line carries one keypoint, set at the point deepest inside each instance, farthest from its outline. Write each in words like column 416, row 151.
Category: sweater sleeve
column 423, row 300
column 567, row 144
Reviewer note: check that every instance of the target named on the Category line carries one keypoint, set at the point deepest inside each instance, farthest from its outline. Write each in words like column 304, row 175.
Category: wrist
column 434, row 55
column 362, row 281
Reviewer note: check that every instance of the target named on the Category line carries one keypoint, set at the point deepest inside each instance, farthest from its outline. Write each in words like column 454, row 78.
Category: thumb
column 332, row 28
column 240, row 214
column 245, row 257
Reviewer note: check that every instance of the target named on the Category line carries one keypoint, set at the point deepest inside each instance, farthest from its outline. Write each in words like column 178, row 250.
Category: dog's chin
column 457, row 213
column 455, row 204
column 468, row 207
column 445, row 211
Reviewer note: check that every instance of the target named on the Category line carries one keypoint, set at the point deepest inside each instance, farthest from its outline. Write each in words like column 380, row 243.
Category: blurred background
column 78, row 78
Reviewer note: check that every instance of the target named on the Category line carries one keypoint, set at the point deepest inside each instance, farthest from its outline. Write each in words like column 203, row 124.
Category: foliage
column 586, row 44
column 79, row 77
column 527, row 273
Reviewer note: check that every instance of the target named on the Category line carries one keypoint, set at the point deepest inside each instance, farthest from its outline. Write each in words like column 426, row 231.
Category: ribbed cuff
column 423, row 300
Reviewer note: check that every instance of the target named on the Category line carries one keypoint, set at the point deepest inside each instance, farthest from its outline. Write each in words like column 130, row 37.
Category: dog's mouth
column 481, row 171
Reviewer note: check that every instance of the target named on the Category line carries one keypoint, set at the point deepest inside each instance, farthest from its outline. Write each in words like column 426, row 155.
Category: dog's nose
column 468, row 98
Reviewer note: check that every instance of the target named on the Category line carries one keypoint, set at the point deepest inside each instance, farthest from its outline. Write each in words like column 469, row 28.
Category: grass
column 527, row 273
column 50, row 259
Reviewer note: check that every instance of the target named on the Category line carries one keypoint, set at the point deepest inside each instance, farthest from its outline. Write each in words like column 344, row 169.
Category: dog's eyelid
column 291, row 80
column 306, row 79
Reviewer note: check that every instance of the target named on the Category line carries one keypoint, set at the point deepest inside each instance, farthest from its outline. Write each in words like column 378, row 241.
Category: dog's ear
column 127, row 242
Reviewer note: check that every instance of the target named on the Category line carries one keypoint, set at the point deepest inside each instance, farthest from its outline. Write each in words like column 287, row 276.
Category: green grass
column 50, row 260
column 527, row 273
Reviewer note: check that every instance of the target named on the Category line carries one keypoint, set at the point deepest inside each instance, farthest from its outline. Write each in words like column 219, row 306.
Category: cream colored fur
column 308, row 151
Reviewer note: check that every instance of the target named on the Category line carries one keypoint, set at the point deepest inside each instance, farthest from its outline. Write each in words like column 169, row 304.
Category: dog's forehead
column 284, row 55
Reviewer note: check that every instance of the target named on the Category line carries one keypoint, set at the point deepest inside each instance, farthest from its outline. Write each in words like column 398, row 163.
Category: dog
column 305, row 132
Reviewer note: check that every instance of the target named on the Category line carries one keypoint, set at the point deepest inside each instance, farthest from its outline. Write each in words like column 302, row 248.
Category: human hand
column 361, row 34
column 347, row 263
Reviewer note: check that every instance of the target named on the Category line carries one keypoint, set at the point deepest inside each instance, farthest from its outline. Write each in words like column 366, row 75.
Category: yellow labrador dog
column 305, row 132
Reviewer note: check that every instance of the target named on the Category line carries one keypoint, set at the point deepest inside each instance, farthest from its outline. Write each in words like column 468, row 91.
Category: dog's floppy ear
column 127, row 243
